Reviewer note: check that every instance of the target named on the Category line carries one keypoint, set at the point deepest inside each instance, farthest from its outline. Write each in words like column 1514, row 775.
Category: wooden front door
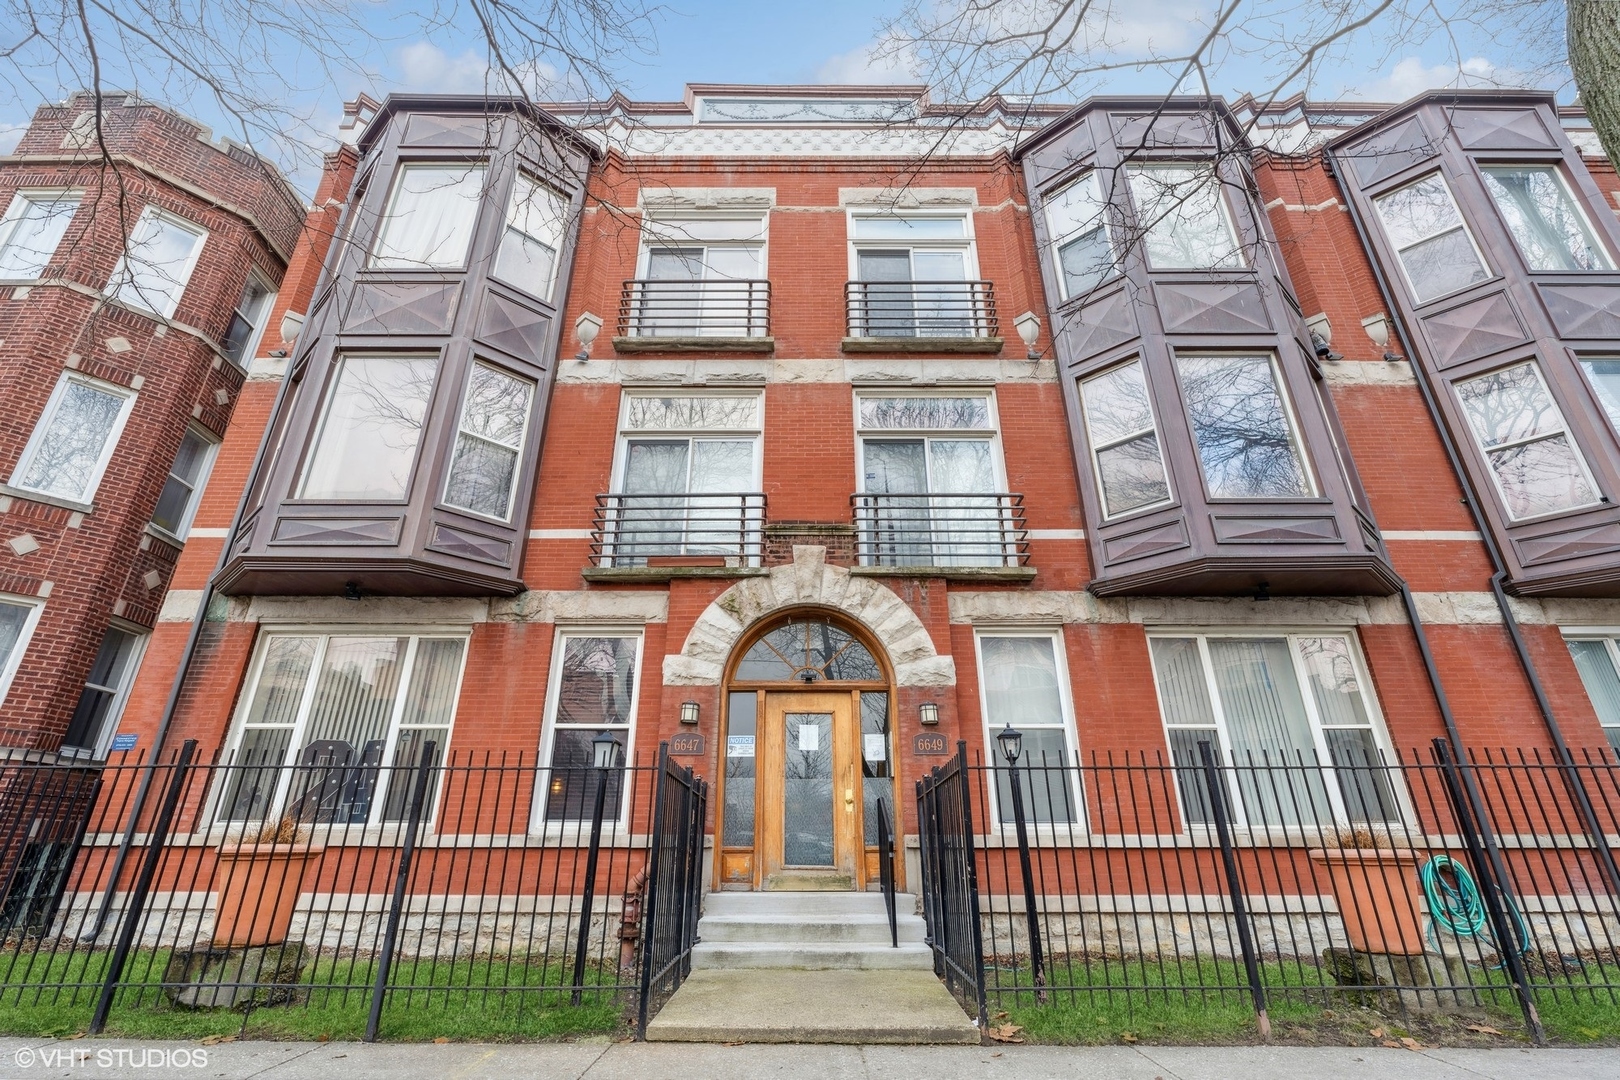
column 809, row 793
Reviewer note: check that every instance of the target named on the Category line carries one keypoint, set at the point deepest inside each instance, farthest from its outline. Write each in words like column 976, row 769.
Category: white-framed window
column 371, row 423
column 1603, row 372
column 1077, row 222
column 431, row 213
column 1125, row 452
column 247, row 321
column 18, row 617
column 32, row 229
column 75, row 438
column 702, row 276
column 106, row 689
column 1244, row 427
column 489, row 442
column 1291, row 714
column 536, row 220
column 931, row 480
column 1521, row 432
column 595, row 680
column 1183, row 217
column 177, row 504
column 333, row 722
column 153, row 271
column 1547, row 224
column 687, row 476
column 1436, row 251
column 1597, row 658
column 1024, row 681
column 914, row 274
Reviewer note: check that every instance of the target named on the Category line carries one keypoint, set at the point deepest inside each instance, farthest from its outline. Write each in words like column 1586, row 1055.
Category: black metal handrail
column 725, row 308
column 950, row 881
column 629, row 530
column 921, row 309
column 885, row 844
column 674, row 885
column 944, row 529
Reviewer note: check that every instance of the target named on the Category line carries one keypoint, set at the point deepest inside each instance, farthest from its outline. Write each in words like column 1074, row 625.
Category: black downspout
column 1566, row 761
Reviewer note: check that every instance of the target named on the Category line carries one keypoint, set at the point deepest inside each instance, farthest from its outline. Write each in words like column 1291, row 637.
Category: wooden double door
column 809, row 761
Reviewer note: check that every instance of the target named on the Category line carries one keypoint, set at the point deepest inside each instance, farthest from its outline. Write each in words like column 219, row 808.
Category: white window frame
column 300, row 725
column 579, row 829
column 13, row 663
column 533, row 177
column 210, row 455
column 1364, row 683
column 393, row 264
column 250, row 348
column 1055, row 239
column 1534, row 363
column 1238, row 260
column 1599, row 242
column 460, row 430
column 115, row 284
column 993, row 432
column 26, row 459
column 115, row 712
column 1610, row 637
column 1153, row 427
column 967, row 242
column 1071, row 738
column 673, row 220
column 14, row 214
column 1290, row 414
column 1462, row 222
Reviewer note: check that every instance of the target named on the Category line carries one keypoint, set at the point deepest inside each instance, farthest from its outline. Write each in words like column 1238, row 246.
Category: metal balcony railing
column 941, row 530
column 921, row 309
column 642, row 530
column 719, row 309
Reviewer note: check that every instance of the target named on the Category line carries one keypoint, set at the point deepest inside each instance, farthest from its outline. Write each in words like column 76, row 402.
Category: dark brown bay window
column 1206, row 466
column 403, row 456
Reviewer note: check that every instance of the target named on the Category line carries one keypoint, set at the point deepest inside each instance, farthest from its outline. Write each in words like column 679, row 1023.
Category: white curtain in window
column 1269, row 731
column 367, row 441
column 430, row 217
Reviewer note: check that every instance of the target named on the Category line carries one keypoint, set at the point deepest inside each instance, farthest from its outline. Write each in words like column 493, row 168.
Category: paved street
column 34, row 1060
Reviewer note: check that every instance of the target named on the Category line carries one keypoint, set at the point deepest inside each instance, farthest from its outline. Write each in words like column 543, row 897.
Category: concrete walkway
column 26, row 1059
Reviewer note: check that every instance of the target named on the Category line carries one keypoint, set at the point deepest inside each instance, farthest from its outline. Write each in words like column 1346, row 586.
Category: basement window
column 1598, row 661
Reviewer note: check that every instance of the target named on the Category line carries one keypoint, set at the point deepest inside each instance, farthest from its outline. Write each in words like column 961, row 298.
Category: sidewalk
column 24, row 1059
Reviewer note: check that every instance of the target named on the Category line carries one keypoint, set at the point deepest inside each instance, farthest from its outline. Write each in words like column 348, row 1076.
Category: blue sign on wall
column 124, row 742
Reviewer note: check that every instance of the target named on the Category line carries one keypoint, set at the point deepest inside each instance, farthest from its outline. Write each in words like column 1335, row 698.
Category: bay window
column 594, row 682
column 157, row 262
column 1247, row 442
column 329, row 718
column 1124, row 441
column 1076, row 220
column 1182, row 214
column 1526, row 442
column 489, row 442
column 428, row 224
column 1024, row 682
column 365, row 444
column 1285, row 715
column 74, row 439
column 1436, row 252
column 1547, row 225
column 1598, row 661
column 31, row 230
column 536, row 219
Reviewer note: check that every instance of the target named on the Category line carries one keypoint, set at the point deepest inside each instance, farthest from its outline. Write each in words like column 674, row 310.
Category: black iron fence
column 726, row 528
column 440, row 882
column 674, row 884
column 943, row 529
column 1418, row 884
column 722, row 308
column 921, row 309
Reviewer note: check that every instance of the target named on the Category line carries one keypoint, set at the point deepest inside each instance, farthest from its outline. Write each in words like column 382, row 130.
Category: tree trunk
column 1594, row 56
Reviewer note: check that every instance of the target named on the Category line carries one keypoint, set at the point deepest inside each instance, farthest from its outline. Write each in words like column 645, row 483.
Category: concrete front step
column 825, row 904
column 812, row 956
column 788, row 929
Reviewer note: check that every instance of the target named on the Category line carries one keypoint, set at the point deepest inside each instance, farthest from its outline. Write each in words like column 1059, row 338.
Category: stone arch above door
column 809, row 580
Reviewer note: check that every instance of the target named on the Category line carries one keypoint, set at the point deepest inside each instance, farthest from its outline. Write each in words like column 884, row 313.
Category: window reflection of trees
column 1245, row 440
column 1526, row 442
column 810, row 650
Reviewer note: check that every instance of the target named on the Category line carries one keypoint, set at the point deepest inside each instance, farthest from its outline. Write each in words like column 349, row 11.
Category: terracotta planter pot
column 257, row 891
column 1377, row 890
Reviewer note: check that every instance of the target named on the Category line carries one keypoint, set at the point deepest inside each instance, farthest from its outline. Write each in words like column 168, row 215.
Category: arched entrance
column 808, row 753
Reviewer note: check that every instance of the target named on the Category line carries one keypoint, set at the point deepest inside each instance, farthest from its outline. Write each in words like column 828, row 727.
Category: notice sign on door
column 875, row 747
column 739, row 746
column 809, row 738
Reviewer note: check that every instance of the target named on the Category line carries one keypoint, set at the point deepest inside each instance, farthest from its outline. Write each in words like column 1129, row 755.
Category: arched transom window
column 808, row 650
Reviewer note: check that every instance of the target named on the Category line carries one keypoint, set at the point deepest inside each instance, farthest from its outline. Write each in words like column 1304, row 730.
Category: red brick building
column 139, row 270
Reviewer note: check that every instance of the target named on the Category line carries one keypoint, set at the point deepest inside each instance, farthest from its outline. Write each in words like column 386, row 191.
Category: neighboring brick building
column 135, row 283
column 809, row 454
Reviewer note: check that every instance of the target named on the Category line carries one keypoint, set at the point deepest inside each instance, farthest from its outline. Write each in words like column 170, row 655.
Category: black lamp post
column 1012, row 745
column 606, row 754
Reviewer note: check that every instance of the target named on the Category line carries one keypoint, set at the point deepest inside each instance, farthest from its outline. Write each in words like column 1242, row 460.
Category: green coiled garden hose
column 1457, row 906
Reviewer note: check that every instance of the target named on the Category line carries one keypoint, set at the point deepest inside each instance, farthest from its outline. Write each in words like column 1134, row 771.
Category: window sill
column 668, row 573
column 987, row 346
column 951, row 573
column 47, row 500
column 672, row 344
column 159, row 533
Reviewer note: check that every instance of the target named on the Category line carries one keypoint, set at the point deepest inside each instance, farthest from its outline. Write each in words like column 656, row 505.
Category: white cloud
column 1410, row 77
column 10, row 136
column 860, row 66
column 425, row 67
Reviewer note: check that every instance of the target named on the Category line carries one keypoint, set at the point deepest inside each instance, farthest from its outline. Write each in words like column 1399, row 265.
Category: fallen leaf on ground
column 1127, row 1036
column 215, row 1040
column 441, row 1040
column 1391, row 1043
column 1377, row 1033
column 1007, row 1033
column 1411, row 1043
column 1483, row 1029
